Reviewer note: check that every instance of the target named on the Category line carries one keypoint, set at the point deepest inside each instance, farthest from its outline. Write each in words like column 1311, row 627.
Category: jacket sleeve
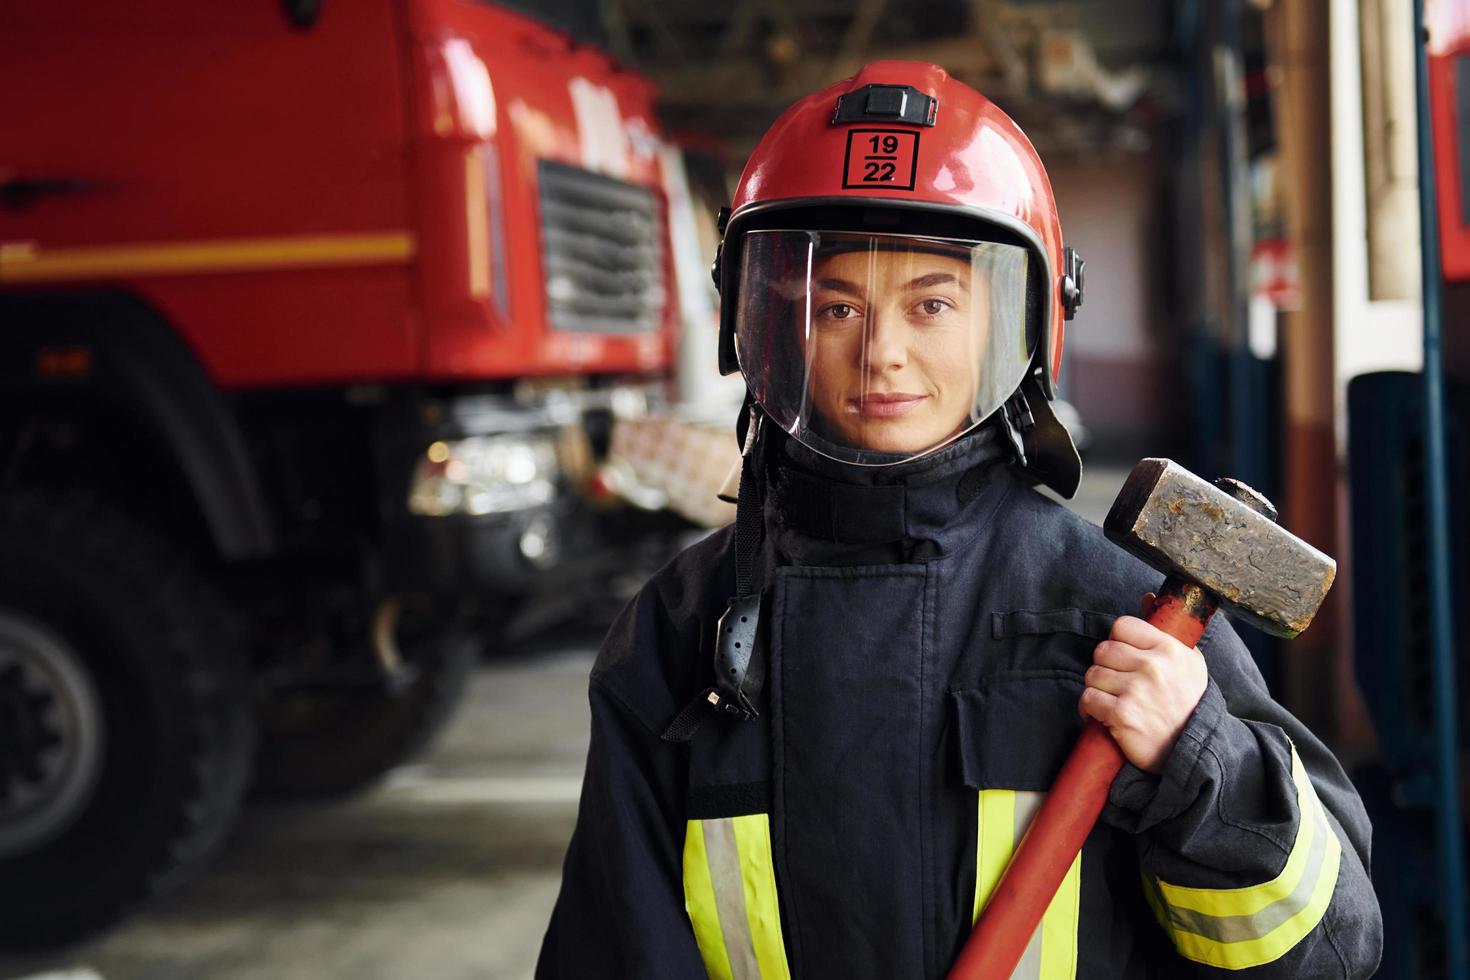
column 621, row 908
column 1253, row 844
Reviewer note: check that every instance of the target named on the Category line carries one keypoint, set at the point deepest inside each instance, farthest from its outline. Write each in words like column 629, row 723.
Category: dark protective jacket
column 926, row 628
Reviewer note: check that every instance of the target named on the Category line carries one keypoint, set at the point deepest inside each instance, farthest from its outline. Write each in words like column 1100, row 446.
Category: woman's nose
column 887, row 344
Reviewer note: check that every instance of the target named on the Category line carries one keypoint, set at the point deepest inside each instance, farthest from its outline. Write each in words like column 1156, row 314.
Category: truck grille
column 603, row 252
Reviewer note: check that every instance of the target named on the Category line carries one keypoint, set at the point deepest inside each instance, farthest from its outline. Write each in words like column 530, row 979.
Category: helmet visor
column 874, row 349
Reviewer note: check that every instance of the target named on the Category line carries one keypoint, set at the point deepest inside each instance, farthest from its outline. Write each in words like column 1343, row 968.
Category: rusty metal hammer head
column 1183, row 526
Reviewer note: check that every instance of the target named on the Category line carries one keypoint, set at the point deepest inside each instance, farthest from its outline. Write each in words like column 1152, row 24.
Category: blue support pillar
column 1448, row 829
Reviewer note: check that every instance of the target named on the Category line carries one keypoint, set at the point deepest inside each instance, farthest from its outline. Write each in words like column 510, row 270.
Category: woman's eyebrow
column 935, row 279
column 839, row 286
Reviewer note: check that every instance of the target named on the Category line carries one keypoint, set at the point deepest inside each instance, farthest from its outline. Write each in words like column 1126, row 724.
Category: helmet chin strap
column 1015, row 421
column 740, row 672
column 1043, row 446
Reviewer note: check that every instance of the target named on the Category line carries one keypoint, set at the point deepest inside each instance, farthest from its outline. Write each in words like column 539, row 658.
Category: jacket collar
column 821, row 511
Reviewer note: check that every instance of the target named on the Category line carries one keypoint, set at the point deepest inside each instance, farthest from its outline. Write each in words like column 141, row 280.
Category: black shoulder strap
column 739, row 674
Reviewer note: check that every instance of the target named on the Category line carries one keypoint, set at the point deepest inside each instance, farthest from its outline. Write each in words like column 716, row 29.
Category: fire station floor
column 446, row 870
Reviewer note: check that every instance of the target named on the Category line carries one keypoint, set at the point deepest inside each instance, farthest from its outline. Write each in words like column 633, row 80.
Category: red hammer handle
column 1066, row 817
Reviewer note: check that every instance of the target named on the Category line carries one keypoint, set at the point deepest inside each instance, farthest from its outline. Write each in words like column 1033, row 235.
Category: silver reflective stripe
column 1029, row 968
column 725, row 873
column 1235, row 928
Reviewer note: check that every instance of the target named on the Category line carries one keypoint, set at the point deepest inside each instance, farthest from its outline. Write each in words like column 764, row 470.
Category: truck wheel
column 125, row 731
column 321, row 745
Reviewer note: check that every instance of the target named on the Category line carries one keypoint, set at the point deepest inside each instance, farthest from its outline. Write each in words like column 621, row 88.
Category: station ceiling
column 1083, row 77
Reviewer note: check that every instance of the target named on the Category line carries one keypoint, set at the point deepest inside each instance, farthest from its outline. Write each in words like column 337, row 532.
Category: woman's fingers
column 1117, row 655
column 1106, row 679
column 1098, row 705
column 1136, row 632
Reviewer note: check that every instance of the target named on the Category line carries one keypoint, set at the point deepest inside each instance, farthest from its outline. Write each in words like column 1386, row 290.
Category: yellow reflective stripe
column 699, row 903
column 1059, row 927
column 730, row 896
column 1254, row 952
column 994, row 842
column 1237, row 928
column 762, row 907
column 1002, row 818
column 25, row 261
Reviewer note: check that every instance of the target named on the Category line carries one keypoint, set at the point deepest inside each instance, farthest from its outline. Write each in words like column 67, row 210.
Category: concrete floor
column 448, row 870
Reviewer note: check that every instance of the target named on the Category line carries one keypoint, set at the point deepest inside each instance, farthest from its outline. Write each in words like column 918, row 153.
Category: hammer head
column 1183, row 526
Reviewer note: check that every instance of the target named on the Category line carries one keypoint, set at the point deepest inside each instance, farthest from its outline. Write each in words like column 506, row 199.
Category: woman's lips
column 885, row 405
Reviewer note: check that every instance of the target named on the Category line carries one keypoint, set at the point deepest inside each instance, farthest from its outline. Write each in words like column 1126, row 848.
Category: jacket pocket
column 1024, row 622
column 1015, row 728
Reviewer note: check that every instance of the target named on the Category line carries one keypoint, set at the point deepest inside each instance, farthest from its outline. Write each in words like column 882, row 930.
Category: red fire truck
column 1448, row 25
column 313, row 317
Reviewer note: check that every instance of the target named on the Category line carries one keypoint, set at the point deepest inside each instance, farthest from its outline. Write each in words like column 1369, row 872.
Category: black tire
column 158, row 687
column 324, row 745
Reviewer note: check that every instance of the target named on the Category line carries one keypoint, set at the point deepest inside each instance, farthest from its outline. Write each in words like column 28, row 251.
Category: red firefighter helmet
column 898, row 170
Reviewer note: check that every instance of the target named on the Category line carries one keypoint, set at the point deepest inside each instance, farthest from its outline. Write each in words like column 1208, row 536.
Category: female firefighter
column 818, row 735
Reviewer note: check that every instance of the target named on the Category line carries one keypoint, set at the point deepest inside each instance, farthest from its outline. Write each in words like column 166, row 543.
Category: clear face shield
column 875, row 349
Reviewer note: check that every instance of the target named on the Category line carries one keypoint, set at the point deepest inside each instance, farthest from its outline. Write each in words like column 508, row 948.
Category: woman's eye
column 933, row 307
column 838, row 311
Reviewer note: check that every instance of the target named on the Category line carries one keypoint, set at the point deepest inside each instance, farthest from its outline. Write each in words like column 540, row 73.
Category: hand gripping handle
column 1066, row 816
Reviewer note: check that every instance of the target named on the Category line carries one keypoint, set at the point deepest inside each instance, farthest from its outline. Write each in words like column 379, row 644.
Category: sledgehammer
column 1218, row 546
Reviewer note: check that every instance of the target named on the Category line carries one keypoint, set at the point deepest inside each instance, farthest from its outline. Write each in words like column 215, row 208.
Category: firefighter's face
column 892, row 347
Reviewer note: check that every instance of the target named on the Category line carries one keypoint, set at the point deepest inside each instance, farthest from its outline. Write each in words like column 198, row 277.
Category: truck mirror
column 302, row 13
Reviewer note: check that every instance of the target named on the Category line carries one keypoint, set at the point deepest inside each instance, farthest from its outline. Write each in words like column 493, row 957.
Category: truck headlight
column 484, row 475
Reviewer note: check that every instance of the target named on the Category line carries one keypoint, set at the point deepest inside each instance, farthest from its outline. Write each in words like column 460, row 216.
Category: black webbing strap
column 687, row 722
column 748, row 515
column 739, row 674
